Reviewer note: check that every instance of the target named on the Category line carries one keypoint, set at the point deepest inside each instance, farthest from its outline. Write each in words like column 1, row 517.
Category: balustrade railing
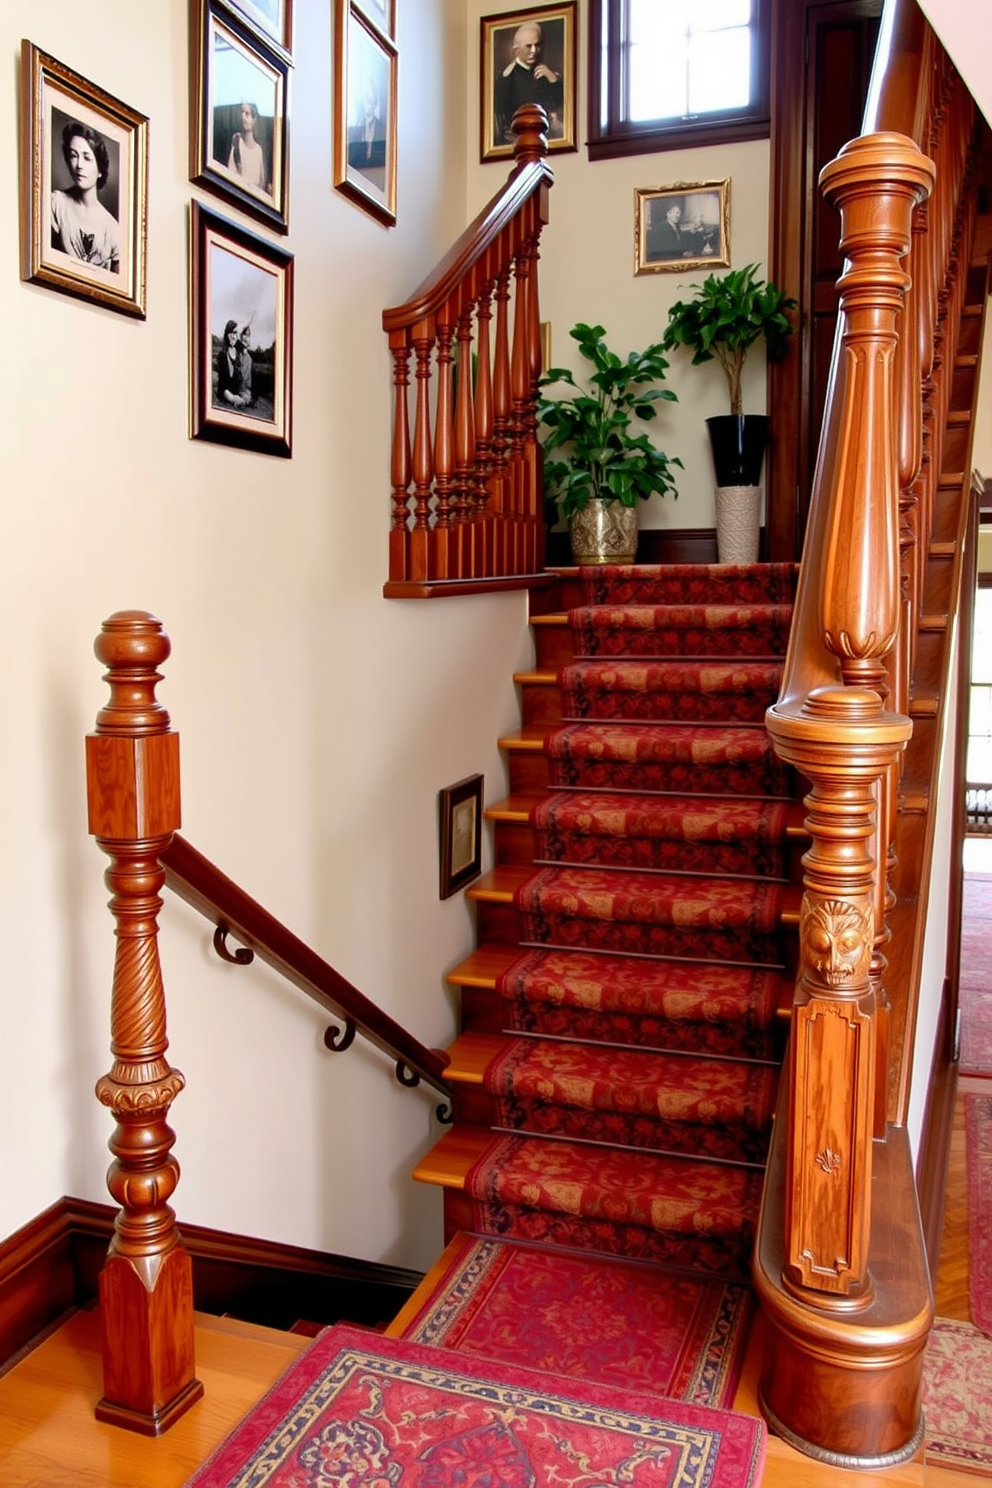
column 467, row 509
column 841, row 1263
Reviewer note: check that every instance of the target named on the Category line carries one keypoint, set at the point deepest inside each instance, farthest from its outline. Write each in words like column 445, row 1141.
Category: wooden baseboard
column 938, row 1125
column 53, row 1264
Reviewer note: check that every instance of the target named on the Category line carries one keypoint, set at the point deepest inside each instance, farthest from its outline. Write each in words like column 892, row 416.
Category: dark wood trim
column 938, row 1125
column 458, row 588
column 52, row 1264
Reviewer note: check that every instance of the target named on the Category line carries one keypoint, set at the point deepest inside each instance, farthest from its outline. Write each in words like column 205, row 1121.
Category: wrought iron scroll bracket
column 407, row 1076
column 337, row 1039
column 243, row 956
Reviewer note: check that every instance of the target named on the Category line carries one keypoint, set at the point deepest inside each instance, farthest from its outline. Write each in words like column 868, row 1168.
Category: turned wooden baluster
column 146, row 1289
column 401, row 461
column 444, row 449
column 464, row 504
column 423, row 459
column 502, row 409
column 484, row 428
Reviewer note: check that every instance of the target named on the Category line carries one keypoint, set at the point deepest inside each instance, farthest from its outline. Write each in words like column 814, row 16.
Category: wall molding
column 52, row 1265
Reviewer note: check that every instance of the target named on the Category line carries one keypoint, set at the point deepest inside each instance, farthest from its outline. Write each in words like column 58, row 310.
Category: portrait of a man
column 528, row 57
column 682, row 227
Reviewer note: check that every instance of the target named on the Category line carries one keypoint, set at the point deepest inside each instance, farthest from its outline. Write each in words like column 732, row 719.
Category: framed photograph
column 241, row 336
column 84, row 187
column 682, row 227
column 365, row 68
column 382, row 13
column 460, row 810
column 239, row 114
column 274, row 18
column 528, row 56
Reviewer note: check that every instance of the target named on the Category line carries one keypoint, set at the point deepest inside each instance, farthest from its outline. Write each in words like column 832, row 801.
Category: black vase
column 738, row 443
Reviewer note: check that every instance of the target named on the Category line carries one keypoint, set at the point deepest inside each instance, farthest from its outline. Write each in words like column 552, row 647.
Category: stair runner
column 629, row 1039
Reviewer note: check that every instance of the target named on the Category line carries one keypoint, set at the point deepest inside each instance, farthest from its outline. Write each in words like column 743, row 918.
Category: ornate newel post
column 848, row 1321
column 146, row 1289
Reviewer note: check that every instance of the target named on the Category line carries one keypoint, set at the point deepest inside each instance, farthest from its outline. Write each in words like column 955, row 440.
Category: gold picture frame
column 365, row 100
column 681, row 228
column 274, row 18
column 460, row 825
column 239, row 113
column 241, row 306
column 84, row 187
column 509, row 80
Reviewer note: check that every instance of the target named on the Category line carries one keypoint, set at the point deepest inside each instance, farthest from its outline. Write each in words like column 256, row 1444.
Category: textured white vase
column 738, row 523
column 604, row 532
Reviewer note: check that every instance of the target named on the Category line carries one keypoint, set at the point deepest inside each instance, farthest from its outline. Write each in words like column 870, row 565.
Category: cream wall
column 318, row 720
column 587, row 270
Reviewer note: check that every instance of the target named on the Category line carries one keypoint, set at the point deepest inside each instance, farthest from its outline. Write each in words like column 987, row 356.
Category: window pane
column 688, row 57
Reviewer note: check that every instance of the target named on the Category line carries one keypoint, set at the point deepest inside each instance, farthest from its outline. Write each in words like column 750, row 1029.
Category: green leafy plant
column 604, row 460
column 724, row 319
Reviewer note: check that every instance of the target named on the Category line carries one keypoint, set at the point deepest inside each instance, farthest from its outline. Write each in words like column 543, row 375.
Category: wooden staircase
column 500, row 930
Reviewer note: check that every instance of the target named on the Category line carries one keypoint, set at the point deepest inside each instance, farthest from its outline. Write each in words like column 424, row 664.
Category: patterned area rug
column 978, row 1131
column 358, row 1416
column 615, row 1322
column 957, row 1397
column 975, row 992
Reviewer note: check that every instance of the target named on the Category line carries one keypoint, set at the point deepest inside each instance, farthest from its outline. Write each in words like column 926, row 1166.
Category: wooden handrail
column 841, row 1270
column 467, row 511
column 194, row 879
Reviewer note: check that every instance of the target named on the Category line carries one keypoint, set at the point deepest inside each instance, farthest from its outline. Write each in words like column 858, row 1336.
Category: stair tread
column 501, row 883
column 472, row 1052
column 518, row 806
column 485, row 965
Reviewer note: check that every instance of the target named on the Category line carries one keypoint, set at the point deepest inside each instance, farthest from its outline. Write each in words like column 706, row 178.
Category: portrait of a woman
column 81, row 225
column 247, row 156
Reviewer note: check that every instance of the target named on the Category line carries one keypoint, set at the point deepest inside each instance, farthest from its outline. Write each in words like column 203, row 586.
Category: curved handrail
column 199, row 883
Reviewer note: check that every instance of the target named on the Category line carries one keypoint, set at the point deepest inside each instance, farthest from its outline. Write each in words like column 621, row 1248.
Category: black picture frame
column 460, row 827
column 242, row 282
column 239, row 113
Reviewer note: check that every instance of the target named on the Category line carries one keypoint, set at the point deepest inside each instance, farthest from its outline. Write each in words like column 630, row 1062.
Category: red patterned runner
column 691, row 583
column 358, row 1415
column 686, row 630
column 616, row 1322
column 704, row 691
column 627, row 1000
column 655, row 914
column 675, row 833
column 635, row 756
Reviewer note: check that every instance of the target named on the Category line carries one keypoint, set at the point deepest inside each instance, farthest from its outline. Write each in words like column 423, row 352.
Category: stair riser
column 487, row 1012
column 477, row 1107
column 728, row 1257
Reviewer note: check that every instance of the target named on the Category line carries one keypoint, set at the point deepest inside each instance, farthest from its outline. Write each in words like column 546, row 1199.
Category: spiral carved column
column 146, row 1288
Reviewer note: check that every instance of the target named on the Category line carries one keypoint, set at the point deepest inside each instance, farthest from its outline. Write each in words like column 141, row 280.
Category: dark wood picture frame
column 460, row 824
column 241, row 283
column 239, row 113
column 84, row 225
column 366, row 65
column 382, row 13
column 698, row 238
column 504, row 85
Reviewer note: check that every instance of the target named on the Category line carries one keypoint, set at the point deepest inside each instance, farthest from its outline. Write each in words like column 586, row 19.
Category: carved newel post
column 146, row 1289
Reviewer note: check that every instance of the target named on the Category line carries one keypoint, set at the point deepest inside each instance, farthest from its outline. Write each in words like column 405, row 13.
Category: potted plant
column 605, row 469
column 727, row 314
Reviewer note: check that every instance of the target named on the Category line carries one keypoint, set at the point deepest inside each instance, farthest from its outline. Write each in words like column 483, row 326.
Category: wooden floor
column 49, row 1438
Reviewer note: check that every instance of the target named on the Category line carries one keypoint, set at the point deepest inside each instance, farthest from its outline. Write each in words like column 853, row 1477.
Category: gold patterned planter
column 604, row 532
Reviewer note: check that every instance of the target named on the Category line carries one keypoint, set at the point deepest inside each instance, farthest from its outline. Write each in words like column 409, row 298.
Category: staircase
column 616, row 1076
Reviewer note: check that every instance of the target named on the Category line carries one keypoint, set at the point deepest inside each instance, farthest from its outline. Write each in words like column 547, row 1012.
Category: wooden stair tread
column 555, row 619
column 530, row 737
column 471, row 1054
column 450, row 1160
column 483, row 967
column 500, row 885
column 517, row 807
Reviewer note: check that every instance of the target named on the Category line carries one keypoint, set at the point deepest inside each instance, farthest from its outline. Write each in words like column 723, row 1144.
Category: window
column 665, row 74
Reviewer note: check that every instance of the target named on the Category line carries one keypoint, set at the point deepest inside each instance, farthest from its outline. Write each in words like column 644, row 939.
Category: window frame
column 618, row 136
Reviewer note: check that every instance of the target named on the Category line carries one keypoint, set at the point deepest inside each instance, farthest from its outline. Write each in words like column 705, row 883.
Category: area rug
column 355, row 1416
column 975, row 994
column 978, row 1143
column 615, row 1322
column 957, row 1397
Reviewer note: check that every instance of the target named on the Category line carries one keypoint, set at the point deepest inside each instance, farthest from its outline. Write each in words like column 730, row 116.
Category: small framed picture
column 682, row 227
column 241, row 336
column 239, row 108
column 84, row 187
column 365, row 69
column 382, row 13
column 460, row 810
column 528, row 56
column 274, row 18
